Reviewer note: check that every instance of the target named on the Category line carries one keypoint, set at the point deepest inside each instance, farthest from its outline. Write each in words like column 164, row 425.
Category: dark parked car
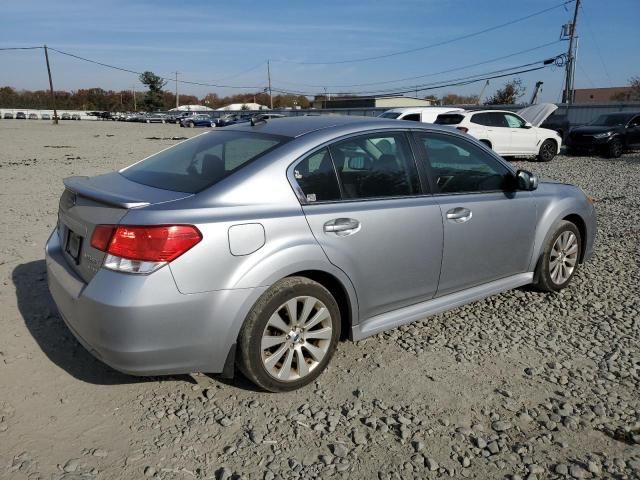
column 21, row 116
column 8, row 116
column 559, row 123
column 232, row 119
column 66, row 116
column 198, row 121
column 609, row 134
column 33, row 116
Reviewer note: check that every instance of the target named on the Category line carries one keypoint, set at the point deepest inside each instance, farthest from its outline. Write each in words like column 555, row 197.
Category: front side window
column 514, row 121
column 376, row 165
column 317, row 177
column 458, row 166
column 198, row 163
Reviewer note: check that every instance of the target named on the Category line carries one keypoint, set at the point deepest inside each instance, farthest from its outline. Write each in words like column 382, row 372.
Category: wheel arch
column 339, row 292
column 579, row 222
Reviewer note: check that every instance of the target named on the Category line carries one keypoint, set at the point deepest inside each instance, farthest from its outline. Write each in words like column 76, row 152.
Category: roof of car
column 298, row 126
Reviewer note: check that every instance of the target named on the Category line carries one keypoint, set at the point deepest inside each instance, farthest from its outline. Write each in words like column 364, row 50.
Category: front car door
column 488, row 232
column 524, row 140
column 372, row 219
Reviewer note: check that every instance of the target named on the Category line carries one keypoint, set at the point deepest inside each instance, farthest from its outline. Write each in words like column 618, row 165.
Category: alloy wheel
column 563, row 258
column 296, row 338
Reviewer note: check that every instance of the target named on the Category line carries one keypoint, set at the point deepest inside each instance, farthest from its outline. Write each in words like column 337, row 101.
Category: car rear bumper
column 142, row 324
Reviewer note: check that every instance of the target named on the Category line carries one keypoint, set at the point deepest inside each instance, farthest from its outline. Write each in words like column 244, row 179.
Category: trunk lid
column 537, row 114
column 90, row 201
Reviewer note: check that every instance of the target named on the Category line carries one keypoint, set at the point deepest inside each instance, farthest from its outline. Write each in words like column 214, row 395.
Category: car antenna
column 257, row 119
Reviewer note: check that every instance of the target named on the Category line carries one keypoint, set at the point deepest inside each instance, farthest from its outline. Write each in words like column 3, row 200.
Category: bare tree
column 509, row 94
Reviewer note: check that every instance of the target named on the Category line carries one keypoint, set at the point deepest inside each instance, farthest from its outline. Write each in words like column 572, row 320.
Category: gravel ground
column 521, row 385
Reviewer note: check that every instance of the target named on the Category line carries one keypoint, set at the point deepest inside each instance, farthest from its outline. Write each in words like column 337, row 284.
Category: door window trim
column 429, row 172
column 424, row 188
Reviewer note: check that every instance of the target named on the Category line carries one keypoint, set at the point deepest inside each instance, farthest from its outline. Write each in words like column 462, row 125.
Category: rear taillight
column 463, row 129
column 143, row 249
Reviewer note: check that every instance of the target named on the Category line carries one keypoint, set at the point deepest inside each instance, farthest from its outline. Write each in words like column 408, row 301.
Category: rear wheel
column 547, row 151
column 290, row 335
column 614, row 149
column 560, row 258
column 190, row 125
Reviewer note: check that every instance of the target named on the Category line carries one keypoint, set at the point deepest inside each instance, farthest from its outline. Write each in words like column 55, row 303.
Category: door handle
column 459, row 214
column 342, row 226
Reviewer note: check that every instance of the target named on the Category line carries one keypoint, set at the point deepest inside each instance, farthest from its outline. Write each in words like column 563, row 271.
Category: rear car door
column 524, row 140
column 488, row 232
column 495, row 130
column 364, row 203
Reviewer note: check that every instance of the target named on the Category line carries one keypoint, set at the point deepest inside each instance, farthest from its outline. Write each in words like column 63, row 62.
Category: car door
column 524, row 140
column 364, row 204
column 488, row 232
column 633, row 131
column 495, row 130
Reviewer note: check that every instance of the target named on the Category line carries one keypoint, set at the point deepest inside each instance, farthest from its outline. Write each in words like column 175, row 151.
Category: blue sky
column 229, row 42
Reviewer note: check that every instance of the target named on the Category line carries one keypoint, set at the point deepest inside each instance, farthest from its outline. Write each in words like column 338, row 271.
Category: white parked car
column 418, row 114
column 509, row 133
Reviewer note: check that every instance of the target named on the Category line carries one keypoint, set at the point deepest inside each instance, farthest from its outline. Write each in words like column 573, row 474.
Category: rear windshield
column 449, row 119
column 390, row 115
column 198, row 163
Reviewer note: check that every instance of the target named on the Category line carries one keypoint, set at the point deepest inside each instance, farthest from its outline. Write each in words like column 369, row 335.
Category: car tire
column 547, row 151
column 190, row 124
column 148, row 121
column 560, row 258
column 614, row 148
column 301, row 350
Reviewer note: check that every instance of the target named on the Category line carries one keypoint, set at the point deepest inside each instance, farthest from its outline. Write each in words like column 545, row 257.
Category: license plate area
column 73, row 246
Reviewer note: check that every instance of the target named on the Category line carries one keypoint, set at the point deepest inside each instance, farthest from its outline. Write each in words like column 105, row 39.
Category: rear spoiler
column 83, row 186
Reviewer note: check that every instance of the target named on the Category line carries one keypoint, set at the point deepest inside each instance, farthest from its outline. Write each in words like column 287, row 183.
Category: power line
column 558, row 59
column 430, row 74
column 187, row 82
column 19, row 48
column 595, row 42
column 437, row 44
column 444, row 85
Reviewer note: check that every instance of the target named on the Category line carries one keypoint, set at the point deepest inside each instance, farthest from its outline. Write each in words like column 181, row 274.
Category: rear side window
column 376, row 165
column 413, row 117
column 198, row 163
column 390, row 115
column 317, row 177
column 449, row 119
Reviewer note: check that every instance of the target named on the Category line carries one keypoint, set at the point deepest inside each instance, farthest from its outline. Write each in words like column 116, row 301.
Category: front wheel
column 547, row 151
column 290, row 335
column 560, row 258
column 190, row 124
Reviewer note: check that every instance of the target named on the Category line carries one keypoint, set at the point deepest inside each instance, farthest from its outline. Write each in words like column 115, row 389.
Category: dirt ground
column 521, row 385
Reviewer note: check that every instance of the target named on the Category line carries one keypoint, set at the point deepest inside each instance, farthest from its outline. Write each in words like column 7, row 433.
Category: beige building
column 369, row 102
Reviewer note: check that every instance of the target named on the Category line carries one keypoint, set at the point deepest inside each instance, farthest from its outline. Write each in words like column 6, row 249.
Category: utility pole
column 567, row 96
column 53, row 95
column 133, row 91
column 269, row 80
column 177, row 97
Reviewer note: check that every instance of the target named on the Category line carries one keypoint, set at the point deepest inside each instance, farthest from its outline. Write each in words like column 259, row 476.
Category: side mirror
column 526, row 180
column 527, row 125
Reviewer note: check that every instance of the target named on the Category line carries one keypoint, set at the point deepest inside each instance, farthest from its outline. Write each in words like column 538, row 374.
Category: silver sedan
column 259, row 245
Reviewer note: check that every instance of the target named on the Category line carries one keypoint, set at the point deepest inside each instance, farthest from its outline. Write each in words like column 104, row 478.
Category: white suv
column 508, row 133
column 419, row 114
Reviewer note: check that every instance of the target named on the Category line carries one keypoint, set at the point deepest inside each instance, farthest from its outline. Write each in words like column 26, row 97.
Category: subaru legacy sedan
column 260, row 245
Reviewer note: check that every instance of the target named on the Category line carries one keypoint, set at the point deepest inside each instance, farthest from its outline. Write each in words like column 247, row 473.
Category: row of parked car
column 187, row 119
column 35, row 116
column 534, row 131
